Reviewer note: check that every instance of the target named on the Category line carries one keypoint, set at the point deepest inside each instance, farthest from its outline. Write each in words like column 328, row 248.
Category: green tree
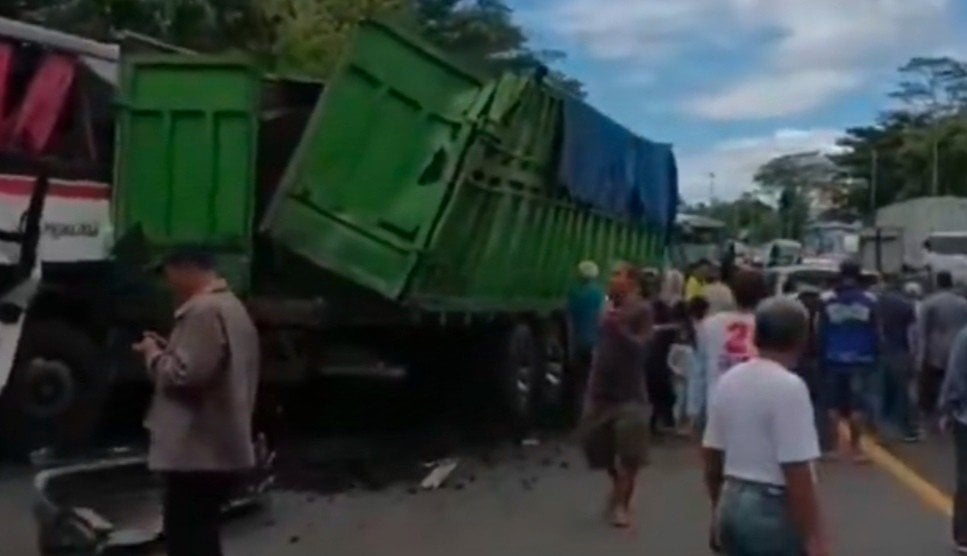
column 748, row 218
column 484, row 32
column 309, row 36
column 932, row 86
column 791, row 179
column 919, row 148
column 302, row 36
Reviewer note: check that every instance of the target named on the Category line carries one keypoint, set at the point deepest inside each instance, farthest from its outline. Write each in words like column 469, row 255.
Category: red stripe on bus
column 24, row 186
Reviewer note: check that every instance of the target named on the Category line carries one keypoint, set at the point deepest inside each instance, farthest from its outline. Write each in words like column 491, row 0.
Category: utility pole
column 874, row 158
column 711, row 188
column 935, row 177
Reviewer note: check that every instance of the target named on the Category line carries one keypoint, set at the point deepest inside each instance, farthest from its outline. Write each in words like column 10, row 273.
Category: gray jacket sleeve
column 953, row 393
column 194, row 353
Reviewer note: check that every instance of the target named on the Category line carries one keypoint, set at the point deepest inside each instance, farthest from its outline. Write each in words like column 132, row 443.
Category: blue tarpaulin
column 612, row 169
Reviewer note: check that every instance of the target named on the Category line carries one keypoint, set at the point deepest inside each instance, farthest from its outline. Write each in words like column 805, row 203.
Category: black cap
column 195, row 256
column 850, row 269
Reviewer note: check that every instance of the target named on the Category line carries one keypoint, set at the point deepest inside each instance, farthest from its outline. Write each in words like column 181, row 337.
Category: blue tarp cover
column 607, row 166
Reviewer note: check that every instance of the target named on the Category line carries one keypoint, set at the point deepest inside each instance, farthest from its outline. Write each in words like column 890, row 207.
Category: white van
column 947, row 251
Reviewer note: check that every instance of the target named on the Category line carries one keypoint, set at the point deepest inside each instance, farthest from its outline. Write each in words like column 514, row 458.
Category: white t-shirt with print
column 760, row 415
column 725, row 340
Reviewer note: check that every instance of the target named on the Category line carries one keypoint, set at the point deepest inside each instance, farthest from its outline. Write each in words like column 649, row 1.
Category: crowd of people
column 767, row 383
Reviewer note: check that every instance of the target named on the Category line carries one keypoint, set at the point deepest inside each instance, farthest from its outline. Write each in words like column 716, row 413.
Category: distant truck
column 947, row 252
column 882, row 249
column 919, row 219
column 697, row 238
column 831, row 240
column 425, row 221
column 782, row 252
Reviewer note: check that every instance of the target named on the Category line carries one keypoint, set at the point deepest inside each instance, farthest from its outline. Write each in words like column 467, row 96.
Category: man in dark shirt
column 615, row 422
column 897, row 318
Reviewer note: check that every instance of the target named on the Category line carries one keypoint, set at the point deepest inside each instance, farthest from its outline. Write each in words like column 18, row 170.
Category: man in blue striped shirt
column 849, row 351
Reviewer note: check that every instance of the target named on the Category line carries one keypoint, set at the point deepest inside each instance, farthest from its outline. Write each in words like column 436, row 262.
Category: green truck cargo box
column 437, row 189
column 417, row 180
column 187, row 133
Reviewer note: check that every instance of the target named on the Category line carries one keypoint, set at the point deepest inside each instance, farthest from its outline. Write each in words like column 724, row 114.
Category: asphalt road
column 541, row 501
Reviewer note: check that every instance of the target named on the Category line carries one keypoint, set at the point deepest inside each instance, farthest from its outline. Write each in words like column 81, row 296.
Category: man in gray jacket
column 942, row 315
column 205, row 377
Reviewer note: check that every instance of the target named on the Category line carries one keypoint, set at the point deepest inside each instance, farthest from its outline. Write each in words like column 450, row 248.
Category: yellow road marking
column 926, row 491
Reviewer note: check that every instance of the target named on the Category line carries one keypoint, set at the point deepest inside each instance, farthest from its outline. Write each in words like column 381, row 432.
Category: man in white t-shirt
column 760, row 445
column 725, row 339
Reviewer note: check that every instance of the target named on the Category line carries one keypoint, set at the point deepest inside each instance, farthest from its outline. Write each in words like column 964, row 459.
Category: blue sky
column 732, row 83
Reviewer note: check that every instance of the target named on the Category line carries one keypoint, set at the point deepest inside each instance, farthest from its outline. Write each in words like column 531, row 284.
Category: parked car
column 815, row 276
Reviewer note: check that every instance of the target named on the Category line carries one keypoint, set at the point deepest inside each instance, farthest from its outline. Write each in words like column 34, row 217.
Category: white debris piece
column 530, row 442
column 93, row 520
column 439, row 474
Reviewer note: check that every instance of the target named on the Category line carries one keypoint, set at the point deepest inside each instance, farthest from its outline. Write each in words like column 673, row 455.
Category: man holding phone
column 205, row 378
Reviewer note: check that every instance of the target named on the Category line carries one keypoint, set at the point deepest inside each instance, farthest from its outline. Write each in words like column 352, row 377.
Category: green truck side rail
column 418, row 180
column 510, row 238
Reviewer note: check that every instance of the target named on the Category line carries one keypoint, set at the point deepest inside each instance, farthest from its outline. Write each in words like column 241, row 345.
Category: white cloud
column 801, row 53
column 735, row 161
column 614, row 29
column 774, row 95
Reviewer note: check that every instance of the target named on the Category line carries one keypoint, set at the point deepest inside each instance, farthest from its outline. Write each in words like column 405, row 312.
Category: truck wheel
column 56, row 390
column 518, row 366
column 552, row 386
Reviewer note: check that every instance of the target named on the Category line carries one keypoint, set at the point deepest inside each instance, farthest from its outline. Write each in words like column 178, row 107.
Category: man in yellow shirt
column 700, row 275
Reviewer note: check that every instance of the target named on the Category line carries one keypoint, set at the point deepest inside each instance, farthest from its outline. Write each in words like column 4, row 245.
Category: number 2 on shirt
column 738, row 344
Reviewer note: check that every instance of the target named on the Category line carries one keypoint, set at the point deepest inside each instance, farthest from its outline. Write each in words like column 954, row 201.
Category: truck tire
column 56, row 391
column 517, row 365
column 552, row 386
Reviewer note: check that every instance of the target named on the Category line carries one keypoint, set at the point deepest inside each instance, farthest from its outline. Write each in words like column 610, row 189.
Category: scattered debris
column 439, row 474
column 294, row 539
column 530, row 442
column 115, row 503
column 546, row 462
column 565, row 464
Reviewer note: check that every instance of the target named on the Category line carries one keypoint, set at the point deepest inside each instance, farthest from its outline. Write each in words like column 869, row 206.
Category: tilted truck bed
column 417, row 181
column 445, row 191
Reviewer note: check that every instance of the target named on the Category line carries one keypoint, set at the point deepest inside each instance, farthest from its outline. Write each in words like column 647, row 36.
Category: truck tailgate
column 364, row 191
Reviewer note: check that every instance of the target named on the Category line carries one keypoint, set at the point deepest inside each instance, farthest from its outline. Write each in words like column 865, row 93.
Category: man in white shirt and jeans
column 760, row 445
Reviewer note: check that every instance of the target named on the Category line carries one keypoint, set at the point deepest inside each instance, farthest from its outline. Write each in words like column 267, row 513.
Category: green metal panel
column 374, row 169
column 510, row 239
column 187, row 134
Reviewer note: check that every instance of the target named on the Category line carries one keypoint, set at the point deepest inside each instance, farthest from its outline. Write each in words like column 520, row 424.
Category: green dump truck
column 428, row 220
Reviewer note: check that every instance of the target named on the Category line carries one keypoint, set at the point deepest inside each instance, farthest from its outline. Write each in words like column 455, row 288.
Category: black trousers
column 192, row 512
column 960, row 497
column 931, row 379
